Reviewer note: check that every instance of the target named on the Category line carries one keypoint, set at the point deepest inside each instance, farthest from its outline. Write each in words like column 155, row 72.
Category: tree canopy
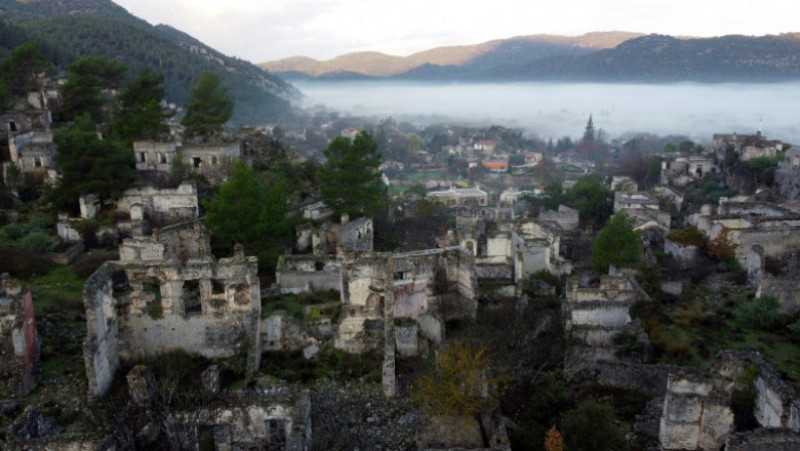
column 20, row 71
column 83, row 91
column 350, row 181
column 460, row 385
column 617, row 244
column 252, row 210
column 209, row 106
column 139, row 114
column 89, row 164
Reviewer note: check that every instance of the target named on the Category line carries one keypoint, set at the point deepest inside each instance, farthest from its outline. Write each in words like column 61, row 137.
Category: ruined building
column 30, row 144
column 20, row 361
column 168, row 292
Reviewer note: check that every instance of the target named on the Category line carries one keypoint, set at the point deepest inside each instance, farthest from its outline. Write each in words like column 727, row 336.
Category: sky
column 260, row 31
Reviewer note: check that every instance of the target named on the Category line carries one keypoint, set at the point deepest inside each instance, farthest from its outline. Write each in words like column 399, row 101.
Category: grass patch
column 59, row 290
column 293, row 304
column 330, row 362
column 434, row 175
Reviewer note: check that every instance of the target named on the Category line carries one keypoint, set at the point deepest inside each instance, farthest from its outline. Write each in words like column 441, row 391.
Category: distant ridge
column 376, row 64
column 602, row 56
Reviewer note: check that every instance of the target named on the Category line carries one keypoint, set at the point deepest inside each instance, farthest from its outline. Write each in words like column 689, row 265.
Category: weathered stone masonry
column 167, row 292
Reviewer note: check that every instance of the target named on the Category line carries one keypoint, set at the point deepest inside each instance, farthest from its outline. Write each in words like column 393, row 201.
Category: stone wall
column 172, row 204
column 176, row 296
column 100, row 349
column 210, row 158
column 265, row 421
column 428, row 288
column 309, row 273
column 565, row 217
column 696, row 415
column 697, row 412
column 154, row 156
column 685, row 255
column 593, row 315
column 20, row 359
column 764, row 439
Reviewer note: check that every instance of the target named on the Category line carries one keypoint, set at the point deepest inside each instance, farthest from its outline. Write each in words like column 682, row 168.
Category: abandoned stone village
column 163, row 297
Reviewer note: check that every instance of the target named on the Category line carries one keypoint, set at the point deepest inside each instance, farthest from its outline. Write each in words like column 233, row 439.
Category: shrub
column 12, row 231
column 794, row 331
column 592, row 426
column 760, row 314
column 38, row 241
column 689, row 236
column 22, row 263
column 40, row 221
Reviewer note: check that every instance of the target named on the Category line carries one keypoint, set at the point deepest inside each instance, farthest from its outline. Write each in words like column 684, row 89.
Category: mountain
column 67, row 30
column 602, row 57
column 664, row 58
column 469, row 58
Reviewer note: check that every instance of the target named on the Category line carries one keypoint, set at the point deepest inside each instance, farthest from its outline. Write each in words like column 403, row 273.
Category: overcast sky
column 265, row 30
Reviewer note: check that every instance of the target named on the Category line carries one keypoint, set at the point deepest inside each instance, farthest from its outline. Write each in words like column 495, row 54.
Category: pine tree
column 350, row 181
column 589, row 133
column 209, row 107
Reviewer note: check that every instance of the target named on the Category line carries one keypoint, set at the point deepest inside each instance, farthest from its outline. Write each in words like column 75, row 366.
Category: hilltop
column 603, row 56
column 69, row 30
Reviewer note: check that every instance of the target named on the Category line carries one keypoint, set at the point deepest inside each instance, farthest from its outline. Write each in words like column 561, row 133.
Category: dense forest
column 99, row 27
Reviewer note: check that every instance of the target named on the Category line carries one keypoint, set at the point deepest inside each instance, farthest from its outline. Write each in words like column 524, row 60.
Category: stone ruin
column 594, row 314
column 168, row 292
column 20, row 359
column 697, row 411
column 277, row 417
column 775, row 228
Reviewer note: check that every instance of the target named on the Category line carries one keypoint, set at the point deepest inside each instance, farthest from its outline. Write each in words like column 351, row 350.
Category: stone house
column 461, row 196
column 168, row 292
column 681, row 171
column 154, row 155
column 746, row 147
column 595, row 313
column 775, row 228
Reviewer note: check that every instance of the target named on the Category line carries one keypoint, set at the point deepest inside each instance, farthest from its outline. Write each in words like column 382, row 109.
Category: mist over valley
column 552, row 109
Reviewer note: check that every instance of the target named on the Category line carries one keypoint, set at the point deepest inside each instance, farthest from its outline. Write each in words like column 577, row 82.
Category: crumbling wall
column 283, row 422
column 154, row 156
column 695, row 415
column 20, row 359
column 593, row 315
column 565, row 217
column 697, row 412
column 173, row 204
column 309, row 273
column 685, row 255
column 174, row 299
column 764, row 439
column 356, row 236
column 100, row 348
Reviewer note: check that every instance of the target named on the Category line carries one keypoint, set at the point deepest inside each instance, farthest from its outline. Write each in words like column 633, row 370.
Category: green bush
column 794, row 330
column 12, row 231
column 689, row 236
column 38, row 241
column 40, row 221
column 760, row 314
column 592, row 426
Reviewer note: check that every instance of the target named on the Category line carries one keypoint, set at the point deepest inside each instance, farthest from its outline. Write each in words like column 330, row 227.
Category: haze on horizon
column 260, row 31
column 554, row 110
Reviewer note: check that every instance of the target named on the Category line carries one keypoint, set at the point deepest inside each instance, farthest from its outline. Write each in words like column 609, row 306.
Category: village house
column 461, row 196
column 746, row 147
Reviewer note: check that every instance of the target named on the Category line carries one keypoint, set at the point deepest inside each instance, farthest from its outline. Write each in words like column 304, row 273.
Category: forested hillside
column 68, row 30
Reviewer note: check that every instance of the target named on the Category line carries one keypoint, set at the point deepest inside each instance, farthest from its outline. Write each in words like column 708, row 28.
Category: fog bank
column 561, row 109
